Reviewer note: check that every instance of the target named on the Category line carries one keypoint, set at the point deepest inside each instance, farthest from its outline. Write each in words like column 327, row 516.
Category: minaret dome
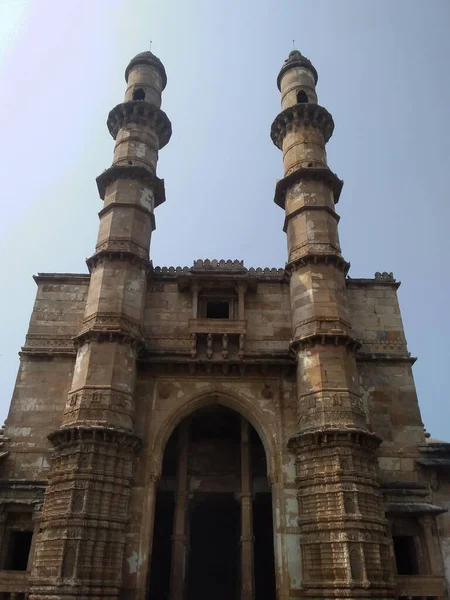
column 146, row 78
column 297, row 80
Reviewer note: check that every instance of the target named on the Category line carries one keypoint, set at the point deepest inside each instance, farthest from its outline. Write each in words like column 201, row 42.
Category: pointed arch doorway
column 213, row 531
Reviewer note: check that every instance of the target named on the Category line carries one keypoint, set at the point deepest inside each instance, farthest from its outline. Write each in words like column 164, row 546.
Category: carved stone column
column 241, row 288
column 179, row 538
column 37, row 523
column 195, row 291
column 247, row 572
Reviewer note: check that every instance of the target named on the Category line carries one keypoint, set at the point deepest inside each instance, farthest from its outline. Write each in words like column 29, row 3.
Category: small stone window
column 217, row 309
column 138, row 94
column 405, row 555
column 302, row 96
column 18, row 550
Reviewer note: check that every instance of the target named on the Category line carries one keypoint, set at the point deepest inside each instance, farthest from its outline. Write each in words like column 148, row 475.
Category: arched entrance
column 213, row 532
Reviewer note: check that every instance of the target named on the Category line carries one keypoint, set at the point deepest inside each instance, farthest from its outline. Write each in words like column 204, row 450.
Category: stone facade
column 218, row 430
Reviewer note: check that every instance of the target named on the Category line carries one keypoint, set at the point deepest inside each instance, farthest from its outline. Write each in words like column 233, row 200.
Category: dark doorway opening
column 405, row 555
column 302, row 96
column 264, row 560
column 214, row 559
column 217, row 310
column 138, row 94
column 162, row 546
column 18, row 550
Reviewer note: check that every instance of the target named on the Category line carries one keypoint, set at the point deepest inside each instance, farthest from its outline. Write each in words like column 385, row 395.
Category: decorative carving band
column 123, row 245
column 341, row 338
column 44, row 344
column 135, row 172
column 308, row 440
column 313, row 258
column 141, row 113
column 306, row 115
column 67, row 436
column 111, row 322
column 308, row 174
column 107, row 335
column 102, row 256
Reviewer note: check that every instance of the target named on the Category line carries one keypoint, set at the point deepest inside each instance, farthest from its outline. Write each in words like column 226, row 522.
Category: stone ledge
column 308, row 115
column 140, row 113
column 308, row 173
column 131, row 172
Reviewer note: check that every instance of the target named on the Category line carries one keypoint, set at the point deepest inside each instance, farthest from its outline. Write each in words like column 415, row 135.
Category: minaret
column 345, row 549
column 80, row 547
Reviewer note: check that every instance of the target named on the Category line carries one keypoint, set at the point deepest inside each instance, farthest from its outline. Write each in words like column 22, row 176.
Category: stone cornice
column 135, row 172
column 306, row 115
column 117, row 254
column 103, row 322
column 341, row 338
column 141, row 113
column 108, row 335
column 379, row 279
column 48, row 344
column 334, row 437
column 313, row 258
column 77, row 278
column 116, row 244
column 384, row 357
column 308, row 174
column 67, row 436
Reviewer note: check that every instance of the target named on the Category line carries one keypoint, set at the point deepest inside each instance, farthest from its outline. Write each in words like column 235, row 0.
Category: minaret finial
column 293, row 44
column 150, row 45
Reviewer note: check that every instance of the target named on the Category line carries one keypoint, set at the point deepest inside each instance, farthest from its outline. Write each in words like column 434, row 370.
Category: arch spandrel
column 242, row 405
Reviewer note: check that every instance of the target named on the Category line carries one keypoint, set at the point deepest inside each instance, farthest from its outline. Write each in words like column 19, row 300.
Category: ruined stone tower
column 218, row 431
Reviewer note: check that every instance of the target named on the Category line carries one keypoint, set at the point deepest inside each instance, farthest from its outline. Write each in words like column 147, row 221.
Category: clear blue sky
column 383, row 73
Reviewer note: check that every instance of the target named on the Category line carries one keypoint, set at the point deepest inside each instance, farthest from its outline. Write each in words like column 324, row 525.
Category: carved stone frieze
column 122, row 245
column 49, row 344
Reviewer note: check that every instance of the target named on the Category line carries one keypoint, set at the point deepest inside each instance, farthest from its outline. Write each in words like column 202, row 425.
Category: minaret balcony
column 314, row 173
column 305, row 115
column 140, row 112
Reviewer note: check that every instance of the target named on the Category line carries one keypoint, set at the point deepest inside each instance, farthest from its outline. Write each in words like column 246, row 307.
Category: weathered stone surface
column 314, row 363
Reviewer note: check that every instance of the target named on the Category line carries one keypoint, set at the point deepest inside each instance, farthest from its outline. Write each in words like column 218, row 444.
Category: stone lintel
column 413, row 508
column 135, row 172
column 218, row 326
column 308, row 174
